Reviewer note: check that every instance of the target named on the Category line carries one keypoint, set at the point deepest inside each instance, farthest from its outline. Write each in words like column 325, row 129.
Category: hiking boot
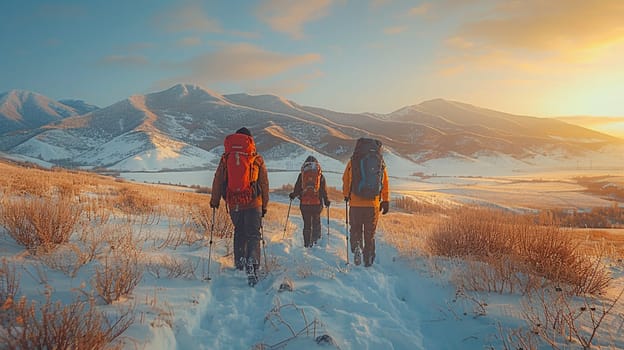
column 368, row 261
column 252, row 280
column 240, row 264
column 357, row 256
column 252, row 276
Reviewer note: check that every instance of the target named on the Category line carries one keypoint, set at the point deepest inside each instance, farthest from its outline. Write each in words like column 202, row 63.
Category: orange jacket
column 356, row 201
column 220, row 178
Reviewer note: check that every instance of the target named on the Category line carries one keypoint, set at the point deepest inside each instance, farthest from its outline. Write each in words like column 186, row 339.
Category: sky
column 532, row 57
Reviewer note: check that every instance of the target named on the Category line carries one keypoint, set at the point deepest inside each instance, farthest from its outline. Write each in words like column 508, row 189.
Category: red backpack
column 310, row 183
column 240, row 153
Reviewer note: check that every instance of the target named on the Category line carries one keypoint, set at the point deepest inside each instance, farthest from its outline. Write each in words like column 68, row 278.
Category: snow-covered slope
column 184, row 127
column 27, row 110
column 80, row 106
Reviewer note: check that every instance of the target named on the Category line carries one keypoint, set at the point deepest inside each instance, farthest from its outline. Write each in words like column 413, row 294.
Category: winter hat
column 311, row 159
column 244, row 131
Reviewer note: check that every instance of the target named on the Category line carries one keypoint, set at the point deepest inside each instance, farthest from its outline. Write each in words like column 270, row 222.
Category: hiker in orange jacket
column 246, row 213
column 311, row 190
column 364, row 212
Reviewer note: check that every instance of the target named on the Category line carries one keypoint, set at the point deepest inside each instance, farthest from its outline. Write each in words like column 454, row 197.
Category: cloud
column 378, row 3
column 564, row 26
column 394, row 30
column 61, row 11
column 285, row 87
column 420, row 10
column 459, row 42
column 289, row 16
column 189, row 41
column 139, row 46
column 124, row 60
column 245, row 35
column 555, row 39
column 188, row 18
column 238, row 62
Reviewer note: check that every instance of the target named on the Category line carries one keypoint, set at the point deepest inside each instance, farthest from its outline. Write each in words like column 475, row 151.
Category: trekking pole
column 347, row 227
column 287, row 216
column 266, row 265
column 328, row 226
column 214, row 210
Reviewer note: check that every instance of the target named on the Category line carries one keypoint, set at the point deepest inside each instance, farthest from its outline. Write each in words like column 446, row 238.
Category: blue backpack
column 367, row 168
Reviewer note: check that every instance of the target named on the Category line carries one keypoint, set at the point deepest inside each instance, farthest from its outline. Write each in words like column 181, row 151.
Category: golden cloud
column 188, row 18
column 563, row 26
column 394, row 30
column 289, row 16
column 420, row 10
column 239, row 62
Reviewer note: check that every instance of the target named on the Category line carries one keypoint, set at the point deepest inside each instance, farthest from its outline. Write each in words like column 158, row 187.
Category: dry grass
column 40, row 222
column 9, row 285
column 117, row 276
column 171, row 267
column 408, row 232
column 56, row 326
column 201, row 214
column 559, row 318
column 517, row 250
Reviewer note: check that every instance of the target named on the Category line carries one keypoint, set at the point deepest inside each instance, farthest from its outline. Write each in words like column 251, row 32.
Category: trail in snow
column 360, row 308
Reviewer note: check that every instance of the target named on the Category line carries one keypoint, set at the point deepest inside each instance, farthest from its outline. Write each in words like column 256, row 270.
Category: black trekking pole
column 347, row 227
column 287, row 216
column 266, row 265
column 214, row 210
column 328, row 226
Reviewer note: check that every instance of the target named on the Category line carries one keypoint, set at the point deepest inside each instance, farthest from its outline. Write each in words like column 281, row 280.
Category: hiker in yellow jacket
column 365, row 188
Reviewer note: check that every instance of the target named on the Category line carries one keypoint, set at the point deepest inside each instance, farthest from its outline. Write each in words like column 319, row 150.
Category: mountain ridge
column 187, row 123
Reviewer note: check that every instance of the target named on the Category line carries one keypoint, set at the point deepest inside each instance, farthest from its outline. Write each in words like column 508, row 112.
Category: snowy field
column 398, row 303
column 554, row 189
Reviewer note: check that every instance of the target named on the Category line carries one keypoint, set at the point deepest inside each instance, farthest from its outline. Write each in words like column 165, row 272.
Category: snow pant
column 311, row 223
column 247, row 236
column 363, row 222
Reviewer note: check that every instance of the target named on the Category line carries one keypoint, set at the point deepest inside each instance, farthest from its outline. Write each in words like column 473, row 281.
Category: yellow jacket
column 356, row 201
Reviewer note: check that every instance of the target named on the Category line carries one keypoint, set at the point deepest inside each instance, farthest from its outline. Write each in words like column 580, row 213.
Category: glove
column 384, row 207
column 346, row 199
column 327, row 203
column 214, row 205
column 264, row 211
column 292, row 195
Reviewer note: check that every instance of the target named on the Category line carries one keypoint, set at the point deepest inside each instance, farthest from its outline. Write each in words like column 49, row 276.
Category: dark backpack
column 310, row 183
column 241, row 174
column 367, row 168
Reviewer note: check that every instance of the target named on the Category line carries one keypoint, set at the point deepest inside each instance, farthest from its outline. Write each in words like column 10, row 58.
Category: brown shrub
column 55, row 326
column 39, row 222
column 132, row 201
column 9, row 284
column 517, row 250
column 118, row 276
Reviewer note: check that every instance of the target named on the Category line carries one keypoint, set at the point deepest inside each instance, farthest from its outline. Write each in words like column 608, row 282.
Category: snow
column 397, row 303
column 157, row 159
column 388, row 306
column 37, row 148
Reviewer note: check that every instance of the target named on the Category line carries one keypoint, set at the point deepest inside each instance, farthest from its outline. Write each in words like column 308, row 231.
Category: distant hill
column 613, row 126
column 183, row 128
column 80, row 106
column 22, row 110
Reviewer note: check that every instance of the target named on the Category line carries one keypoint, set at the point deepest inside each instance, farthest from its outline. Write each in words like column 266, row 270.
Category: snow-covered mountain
column 80, row 106
column 21, row 110
column 184, row 127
